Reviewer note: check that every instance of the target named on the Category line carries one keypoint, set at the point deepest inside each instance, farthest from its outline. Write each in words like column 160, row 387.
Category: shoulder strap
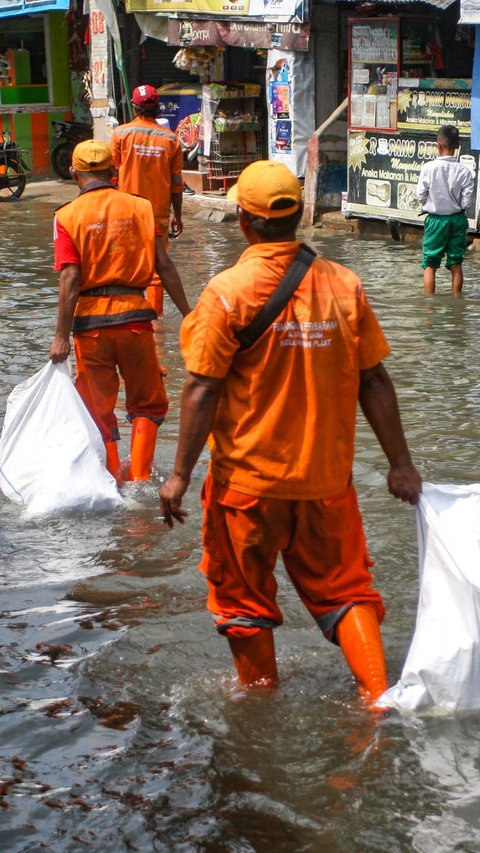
column 279, row 298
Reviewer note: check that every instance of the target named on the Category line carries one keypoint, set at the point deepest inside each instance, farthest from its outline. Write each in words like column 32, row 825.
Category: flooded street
column 121, row 729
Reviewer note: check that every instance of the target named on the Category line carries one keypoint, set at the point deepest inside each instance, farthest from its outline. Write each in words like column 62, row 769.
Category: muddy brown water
column 121, row 728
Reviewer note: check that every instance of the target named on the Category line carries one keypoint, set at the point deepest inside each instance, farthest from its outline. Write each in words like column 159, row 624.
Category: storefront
column 263, row 43
column 40, row 79
column 397, row 102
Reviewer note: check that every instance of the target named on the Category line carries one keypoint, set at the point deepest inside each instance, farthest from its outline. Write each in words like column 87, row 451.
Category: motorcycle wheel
column 62, row 160
column 12, row 180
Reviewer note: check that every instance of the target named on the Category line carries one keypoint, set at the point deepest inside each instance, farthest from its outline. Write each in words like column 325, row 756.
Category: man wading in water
column 281, row 418
column 106, row 249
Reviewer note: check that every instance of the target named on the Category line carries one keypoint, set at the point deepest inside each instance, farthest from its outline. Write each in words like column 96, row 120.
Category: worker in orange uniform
column 281, row 418
column 149, row 160
column 106, row 248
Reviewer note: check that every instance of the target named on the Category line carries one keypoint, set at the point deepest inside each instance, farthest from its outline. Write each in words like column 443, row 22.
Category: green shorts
column 444, row 234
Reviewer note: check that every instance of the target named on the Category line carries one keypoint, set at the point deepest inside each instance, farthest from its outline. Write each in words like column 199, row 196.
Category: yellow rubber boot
column 142, row 448
column 112, row 463
column 358, row 635
column 254, row 658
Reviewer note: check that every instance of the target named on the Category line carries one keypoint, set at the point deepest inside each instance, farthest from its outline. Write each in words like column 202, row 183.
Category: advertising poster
column 196, row 33
column 383, row 174
column 269, row 11
column 426, row 109
column 281, row 125
column 291, row 113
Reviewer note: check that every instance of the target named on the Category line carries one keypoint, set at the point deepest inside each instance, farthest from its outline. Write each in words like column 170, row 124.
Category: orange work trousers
column 323, row 548
column 101, row 355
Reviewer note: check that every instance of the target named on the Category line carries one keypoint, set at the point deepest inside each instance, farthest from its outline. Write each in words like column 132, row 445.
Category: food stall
column 396, row 106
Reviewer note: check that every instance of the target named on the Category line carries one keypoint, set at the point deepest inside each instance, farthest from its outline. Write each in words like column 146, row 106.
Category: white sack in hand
column 52, row 456
column 442, row 670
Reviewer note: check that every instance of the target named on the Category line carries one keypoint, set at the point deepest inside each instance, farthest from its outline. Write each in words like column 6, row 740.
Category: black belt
column 111, row 290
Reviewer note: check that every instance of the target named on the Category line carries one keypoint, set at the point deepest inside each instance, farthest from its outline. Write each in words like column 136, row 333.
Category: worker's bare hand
column 175, row 226
column 59, row 350
column 405, row 483
column 171, row 495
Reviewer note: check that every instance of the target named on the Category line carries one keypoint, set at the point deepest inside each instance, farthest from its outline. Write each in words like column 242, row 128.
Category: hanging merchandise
column 199, row 61
column 291, row 108
column 442, row 670
column 52, row 456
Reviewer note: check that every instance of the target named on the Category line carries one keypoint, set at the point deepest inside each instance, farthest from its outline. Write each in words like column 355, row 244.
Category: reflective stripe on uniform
column 145, row 131
column 97, row 321
column 328, row 621
column 242, row 622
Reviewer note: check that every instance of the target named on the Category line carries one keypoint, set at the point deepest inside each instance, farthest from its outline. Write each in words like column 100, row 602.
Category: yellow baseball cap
column 264, row 183
column 91, row 156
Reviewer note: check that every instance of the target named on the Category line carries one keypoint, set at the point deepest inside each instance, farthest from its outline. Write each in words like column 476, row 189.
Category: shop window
column 373, row 74
column 22, row 40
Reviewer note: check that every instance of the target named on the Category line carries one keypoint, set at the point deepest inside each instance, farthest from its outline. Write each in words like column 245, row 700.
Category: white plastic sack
column 442, row 670
column 52, row 456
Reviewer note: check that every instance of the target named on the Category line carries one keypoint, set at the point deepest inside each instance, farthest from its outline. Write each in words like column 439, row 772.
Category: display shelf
column 221, row 125
column 361, row 62
column 229, row 165
column 374, row 52
column 231, row 127
column 232, row 164
column 222, row 91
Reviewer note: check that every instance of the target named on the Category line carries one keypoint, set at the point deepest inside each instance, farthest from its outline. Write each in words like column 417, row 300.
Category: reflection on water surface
column 121, row 726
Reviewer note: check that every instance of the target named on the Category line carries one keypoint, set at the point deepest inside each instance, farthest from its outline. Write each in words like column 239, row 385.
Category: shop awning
column 14, row 8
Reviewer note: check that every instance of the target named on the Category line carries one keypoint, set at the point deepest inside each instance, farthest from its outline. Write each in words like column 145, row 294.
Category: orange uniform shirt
column 285, row 423
column 149, row 160
column 114, row 235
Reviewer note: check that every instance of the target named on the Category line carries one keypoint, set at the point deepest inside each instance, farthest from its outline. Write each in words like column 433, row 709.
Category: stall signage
column 427, row 109
column 383, row 173
column 197, row 33
column 283, row 10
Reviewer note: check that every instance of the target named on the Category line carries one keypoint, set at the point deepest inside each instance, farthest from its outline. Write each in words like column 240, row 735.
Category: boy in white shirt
column 445, row 187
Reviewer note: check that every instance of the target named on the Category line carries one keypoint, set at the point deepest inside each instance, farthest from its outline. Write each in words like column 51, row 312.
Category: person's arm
column 170, row 278
column 177, row 185
column 116, row 150
column 197, row 411
column 379, row 404
column 467, row 191
column 423, row 187
column 69, row 289
column 176, row 224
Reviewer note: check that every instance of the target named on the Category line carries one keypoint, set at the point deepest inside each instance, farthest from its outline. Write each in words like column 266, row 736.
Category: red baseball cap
column 145, row 96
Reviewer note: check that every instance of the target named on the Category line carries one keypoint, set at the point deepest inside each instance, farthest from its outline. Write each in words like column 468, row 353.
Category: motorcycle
column 14, row 167
column 67, row 135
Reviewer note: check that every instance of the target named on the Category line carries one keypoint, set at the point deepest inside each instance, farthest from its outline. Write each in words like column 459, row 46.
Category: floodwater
column 121, row 728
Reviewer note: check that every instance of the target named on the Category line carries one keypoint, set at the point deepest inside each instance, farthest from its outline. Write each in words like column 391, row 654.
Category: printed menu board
column 426, row 105
column 383, row 174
